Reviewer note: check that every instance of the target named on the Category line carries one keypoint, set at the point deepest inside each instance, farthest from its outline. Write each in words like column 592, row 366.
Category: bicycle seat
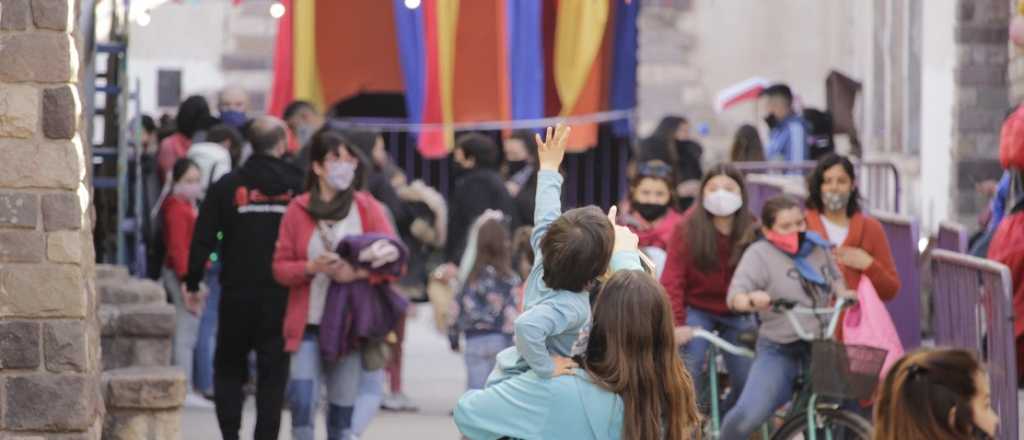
column 747, row 339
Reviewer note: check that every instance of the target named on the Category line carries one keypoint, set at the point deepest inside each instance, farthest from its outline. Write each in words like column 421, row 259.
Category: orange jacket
column 865, row 233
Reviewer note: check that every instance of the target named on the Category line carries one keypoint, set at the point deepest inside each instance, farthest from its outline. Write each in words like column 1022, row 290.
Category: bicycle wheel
column 843, row 425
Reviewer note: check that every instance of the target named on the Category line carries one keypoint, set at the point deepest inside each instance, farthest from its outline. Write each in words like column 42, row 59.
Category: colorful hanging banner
column 440, row 19
column 306, row 72
column 578, row 37
column 282, row 90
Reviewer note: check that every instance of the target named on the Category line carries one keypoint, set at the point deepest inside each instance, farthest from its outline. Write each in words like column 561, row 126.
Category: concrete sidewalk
column 434, row 378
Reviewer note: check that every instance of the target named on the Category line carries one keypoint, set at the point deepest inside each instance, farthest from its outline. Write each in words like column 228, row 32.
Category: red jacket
column 865, row 233
column 658, row 235
column 292, row 253
column 1008, row 248
column 689, row 286
column 179, row 223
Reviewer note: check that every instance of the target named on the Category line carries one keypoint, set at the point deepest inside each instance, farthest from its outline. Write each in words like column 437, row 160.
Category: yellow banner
column 306, row 72
column 579, row 33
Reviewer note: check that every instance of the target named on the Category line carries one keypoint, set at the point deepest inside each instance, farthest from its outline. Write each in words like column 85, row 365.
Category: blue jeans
column 770, row 385
column 480, row 357
column 371, row 394
column 308, row 372
column 695, row 352
column 206, row 344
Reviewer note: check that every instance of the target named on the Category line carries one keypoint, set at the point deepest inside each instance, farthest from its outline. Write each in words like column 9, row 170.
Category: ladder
column 116, row 157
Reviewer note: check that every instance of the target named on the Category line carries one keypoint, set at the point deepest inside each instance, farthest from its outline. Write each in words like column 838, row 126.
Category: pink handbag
column 868, row 323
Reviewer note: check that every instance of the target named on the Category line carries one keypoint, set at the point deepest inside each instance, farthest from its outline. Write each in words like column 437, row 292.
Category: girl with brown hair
column 631, row 384
column 485, row 308
column 702, row 256
column 936, row 394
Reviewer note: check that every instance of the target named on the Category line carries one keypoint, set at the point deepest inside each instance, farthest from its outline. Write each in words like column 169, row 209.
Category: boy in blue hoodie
column 572, row 250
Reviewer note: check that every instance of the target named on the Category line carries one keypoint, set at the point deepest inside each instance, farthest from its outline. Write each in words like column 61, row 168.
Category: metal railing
column 952, row 237
column 878, row 181
column 974, row 310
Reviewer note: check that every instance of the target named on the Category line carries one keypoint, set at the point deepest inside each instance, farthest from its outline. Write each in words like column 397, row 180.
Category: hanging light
column 277, row 10
column 144, row 18
column 412, row 4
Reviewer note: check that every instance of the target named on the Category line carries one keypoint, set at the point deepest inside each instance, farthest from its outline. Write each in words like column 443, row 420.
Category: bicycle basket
column 845, row 371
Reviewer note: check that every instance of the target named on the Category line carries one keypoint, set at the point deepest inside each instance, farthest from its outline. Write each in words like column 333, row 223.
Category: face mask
column 979, row 434
column 835, row 201
column 516, row 166
column 303, row 134
column 233, row 118
column 650, row 211
column 788, row 243
column 771, row 120
column 723, row 203
column 341, row 174
column 189, row 191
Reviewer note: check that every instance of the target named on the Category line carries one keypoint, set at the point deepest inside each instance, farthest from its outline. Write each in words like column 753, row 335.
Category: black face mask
column 979, row 434
column 650, row 211
column 515, row 166
column 771, row 120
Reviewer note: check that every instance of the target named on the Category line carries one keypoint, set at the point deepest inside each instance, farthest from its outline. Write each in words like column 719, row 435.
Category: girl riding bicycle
column 786, row 264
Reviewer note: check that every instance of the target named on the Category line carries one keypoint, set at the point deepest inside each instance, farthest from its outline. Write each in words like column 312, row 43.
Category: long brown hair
column 632, row 353
column 746, row 146
column 921, row 390
column 701, row 235
column 492, row 249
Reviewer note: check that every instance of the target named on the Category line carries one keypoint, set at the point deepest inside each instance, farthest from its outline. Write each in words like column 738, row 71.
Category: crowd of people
column 290, row 251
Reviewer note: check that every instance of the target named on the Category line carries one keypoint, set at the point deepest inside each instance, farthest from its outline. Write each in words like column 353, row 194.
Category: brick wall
column 981, row 100
column 49, row 336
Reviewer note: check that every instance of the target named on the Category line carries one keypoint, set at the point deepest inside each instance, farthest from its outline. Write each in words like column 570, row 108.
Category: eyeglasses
column 659, row 170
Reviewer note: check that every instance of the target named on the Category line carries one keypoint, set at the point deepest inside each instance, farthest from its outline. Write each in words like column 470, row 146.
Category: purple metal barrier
column 974, row 310
column 758, row 193
column 905, row 308
column 952, row 237
column 879, row 182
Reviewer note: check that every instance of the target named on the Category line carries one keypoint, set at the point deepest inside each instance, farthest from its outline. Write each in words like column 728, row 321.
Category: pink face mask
column 788, row 243
column 188, row 191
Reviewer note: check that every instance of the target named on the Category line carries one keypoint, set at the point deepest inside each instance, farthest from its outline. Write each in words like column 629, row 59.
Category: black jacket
column 475, row 192
column 245, row 205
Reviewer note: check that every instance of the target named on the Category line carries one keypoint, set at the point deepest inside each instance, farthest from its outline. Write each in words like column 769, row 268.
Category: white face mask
column 341, row 174
column 723, row 203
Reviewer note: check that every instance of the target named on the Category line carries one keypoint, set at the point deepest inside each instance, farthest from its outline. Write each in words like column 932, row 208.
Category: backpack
column 1011, row 141
column 820, row 140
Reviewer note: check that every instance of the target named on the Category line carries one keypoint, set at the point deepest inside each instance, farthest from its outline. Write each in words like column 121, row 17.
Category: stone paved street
column 434, row 378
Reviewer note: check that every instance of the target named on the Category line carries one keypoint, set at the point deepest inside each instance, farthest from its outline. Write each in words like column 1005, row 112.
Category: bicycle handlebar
column 722, row 344
column 791, row 309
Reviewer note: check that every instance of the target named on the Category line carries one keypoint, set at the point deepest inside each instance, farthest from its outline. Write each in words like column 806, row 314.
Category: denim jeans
column 695, row 352
column 186, row 328
column 480, row 353
column 206, row 343
column 371, row 394
column 308, row 372
column 769, row 386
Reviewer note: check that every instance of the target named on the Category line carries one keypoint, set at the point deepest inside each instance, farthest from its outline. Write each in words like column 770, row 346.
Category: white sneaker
column 399, row 402
column 193, row 400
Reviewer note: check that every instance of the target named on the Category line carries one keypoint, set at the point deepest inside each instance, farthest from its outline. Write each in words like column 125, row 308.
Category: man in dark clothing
column 246, row 206
column 478, row 188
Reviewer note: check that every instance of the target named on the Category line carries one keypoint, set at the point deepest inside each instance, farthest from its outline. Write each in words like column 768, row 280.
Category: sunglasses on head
column 654, row 170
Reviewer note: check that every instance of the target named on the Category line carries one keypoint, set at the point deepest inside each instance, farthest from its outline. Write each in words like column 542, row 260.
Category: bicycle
column 716, row 347
column 836, row 372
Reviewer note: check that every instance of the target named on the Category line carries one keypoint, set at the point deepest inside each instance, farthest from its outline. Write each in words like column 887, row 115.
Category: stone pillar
column 668, row 80
column 981, row 99
column 49, row 333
